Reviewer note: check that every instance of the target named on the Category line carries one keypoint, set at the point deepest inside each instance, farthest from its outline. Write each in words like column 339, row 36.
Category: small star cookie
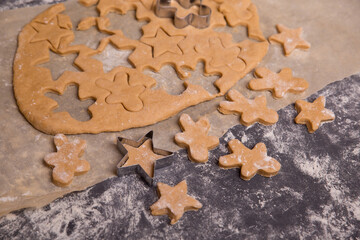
column 290, row 38
column 250, row 161
column 174, row 201
column 312, row 114
column 195, row 138
column 66, row 160
column 251, row 111
column 278, row 83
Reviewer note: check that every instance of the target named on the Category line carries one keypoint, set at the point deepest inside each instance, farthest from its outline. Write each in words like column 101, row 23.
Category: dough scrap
column 66, row 160
column 278, row 83
column 143, row 104
column 289, row 38
column 251, row 161
column 195, row 138
column 250, row 111
column 174, row 201
column 312, row 114
column 143, row 156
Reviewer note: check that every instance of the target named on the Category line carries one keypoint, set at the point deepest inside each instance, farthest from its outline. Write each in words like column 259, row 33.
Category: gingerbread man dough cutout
column 289, row 38
column 250, row 161
column 66, row 160
column 278, row 83
column 250, row 111
column 174, row 201
column 195, row 138
column 312, row 114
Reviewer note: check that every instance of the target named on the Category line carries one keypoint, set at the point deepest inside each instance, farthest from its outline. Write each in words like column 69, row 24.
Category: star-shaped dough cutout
column 174, row 201
column 220, row 55
column 250, row 161
column 312, row 114
column 163, row 43
column 290, row 38
column 195, row 138
column 122, row 92
column 141, row 157
column 50, row 32
column 250, row 111
column 66, row 160
column 278, row 83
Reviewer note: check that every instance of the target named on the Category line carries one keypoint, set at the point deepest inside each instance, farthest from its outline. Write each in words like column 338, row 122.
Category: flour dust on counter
column 315, row 194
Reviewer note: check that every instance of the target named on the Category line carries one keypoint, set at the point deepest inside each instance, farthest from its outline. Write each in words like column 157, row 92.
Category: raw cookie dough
column 174, row 201
column 250, row 111
column 195, row 138
column 312, row 114
column 251, row 161
column 143, row 156
column 289, row 38
column 66, row 160
column 278, row 83
column 161, row 43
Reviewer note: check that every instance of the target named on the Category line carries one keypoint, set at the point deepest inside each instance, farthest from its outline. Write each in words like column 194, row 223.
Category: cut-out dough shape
column 251, row 161
column 141, row 157
column 312, row 114
column 221, row 56
column 174, row 201
column 195, row 138
column 278, row 83
column 242, row 12
column 52, row 31
column 250, row 111
column 163, row 43
column 123, row 92
column 290, row 39
column 66, row 160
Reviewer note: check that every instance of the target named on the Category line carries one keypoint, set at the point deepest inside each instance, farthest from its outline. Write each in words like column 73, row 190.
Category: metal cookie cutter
column 202, row 20
column 160, row 163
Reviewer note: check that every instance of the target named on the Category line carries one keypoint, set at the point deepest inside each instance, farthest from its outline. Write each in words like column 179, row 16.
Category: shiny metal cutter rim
column 202, row 20
column 160, row 163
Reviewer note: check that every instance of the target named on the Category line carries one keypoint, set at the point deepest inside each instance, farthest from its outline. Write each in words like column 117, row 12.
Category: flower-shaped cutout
column 289, row 38
column 195, row 138
column 221, row 56
column 251, row 111
column 66, row 160
column 122, row 92
column 278, row 83
column 174, row 201
column 251, row 161
column 312, row 114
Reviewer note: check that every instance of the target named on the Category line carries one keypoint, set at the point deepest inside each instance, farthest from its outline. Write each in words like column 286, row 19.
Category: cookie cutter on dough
column 159, row 163
column 202, row 20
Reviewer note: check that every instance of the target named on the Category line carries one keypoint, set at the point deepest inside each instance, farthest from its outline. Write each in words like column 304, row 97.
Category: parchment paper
column 332, row 27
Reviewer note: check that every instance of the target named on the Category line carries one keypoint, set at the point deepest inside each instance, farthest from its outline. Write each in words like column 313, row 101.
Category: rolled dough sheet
column 330, row 27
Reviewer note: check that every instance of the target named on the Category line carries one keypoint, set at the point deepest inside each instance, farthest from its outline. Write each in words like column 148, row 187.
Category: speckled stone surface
column 315, row 194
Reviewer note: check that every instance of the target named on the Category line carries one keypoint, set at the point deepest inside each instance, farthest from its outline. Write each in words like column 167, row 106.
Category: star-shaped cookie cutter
column 202, row 20
column 159, row 163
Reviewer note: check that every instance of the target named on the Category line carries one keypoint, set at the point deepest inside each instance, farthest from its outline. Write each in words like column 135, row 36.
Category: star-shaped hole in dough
column 251, row 161
column 278, row 83
column 312, row 114
column 195, row 138
column 122, row 92
column 250, row 111
column 163, row 43
column 290, row 38
column 221, row 56
column 50, row 32
column 141, row 157
column 174, row 201
column 66, row 160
